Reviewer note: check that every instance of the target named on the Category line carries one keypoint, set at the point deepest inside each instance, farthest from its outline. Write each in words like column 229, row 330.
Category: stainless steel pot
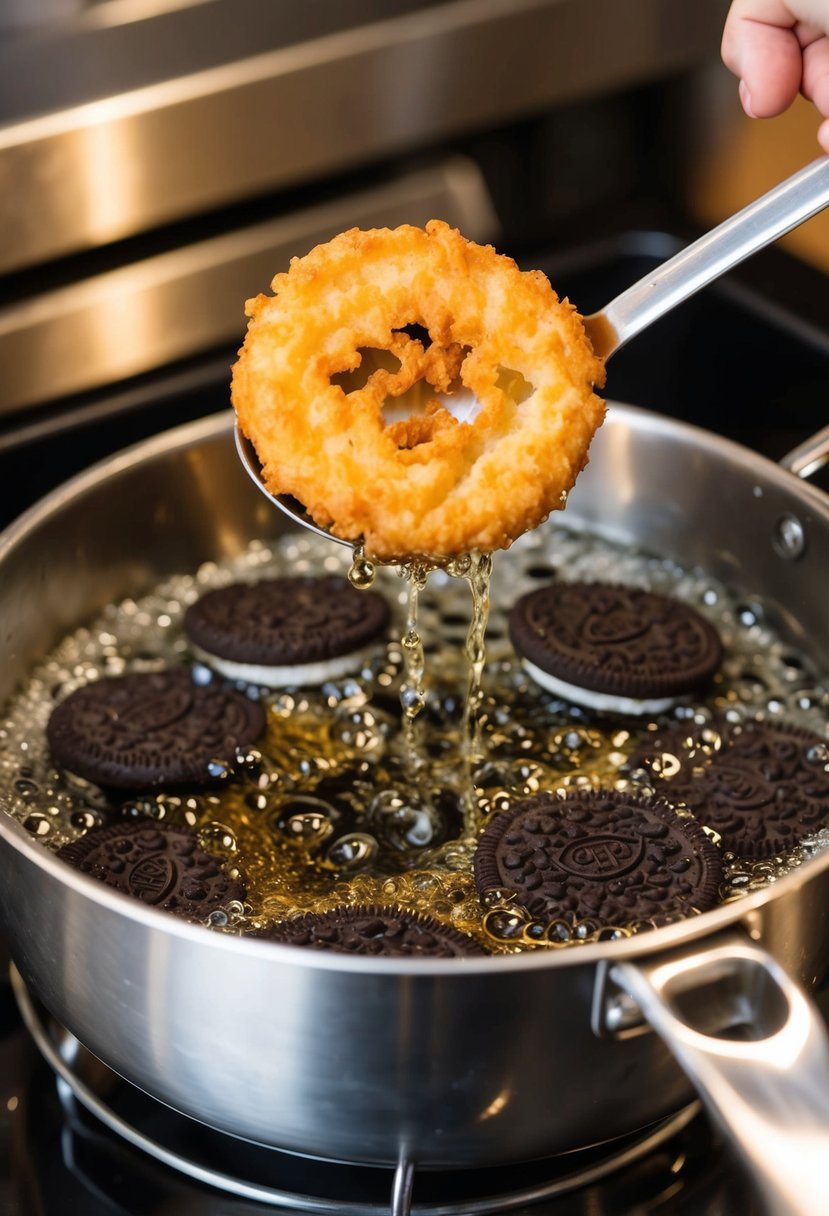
column 433, row 1062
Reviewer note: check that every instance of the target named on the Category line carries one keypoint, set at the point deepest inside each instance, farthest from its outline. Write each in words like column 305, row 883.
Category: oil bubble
column 38, row 824
column 26, row 789
column 559, row 932
column 503, row 925
column 818, row 754
column 307, row 828
column 215, row 837
column 352, row 852
column 403, row 821
column 141, row 809
column 85, row 820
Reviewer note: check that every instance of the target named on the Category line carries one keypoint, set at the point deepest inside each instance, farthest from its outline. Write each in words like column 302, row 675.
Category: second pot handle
column 809, row 456
column 756, row 1050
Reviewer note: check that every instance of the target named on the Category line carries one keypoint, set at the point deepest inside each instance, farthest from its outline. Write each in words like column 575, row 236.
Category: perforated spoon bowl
column 769, row 217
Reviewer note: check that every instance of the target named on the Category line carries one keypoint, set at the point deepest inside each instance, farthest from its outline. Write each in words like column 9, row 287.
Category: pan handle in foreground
column 758, row 1053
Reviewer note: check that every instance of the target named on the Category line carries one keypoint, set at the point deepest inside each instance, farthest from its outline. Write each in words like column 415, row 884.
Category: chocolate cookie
column 613, row 647
column 373, row 930
column 157, row 863
column 151, row 729
column 286, row 630
column 761, row 785
column 613, row 858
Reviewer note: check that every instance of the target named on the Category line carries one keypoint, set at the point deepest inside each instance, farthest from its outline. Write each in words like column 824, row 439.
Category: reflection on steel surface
column 80, row 169
column 181, row 303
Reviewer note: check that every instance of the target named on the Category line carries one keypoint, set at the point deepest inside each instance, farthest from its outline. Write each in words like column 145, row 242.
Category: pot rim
column 745, row 910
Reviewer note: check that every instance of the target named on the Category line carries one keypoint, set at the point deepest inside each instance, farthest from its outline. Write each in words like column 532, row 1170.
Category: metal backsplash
column 160, row 162
column 106, row 130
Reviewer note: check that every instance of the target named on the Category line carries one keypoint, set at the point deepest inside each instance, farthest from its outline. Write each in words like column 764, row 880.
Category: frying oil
column 374, row 788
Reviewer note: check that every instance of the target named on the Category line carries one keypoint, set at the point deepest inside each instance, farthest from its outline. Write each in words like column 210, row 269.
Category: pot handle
column 758, row 1053
column 809, row 456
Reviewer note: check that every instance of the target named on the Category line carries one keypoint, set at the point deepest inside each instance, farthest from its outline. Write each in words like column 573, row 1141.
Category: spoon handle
column 758, row 224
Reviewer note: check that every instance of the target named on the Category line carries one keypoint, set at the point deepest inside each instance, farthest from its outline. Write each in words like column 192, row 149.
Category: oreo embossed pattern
column 619, row 641
column 287, row 630
column 151, row 729
column 374, row 931
column 160, row 865
column 615, row 858
column 761, row 786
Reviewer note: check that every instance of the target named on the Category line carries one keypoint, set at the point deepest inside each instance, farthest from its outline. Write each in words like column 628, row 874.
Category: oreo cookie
column 158, row 864
column 762, row 786
column 614, row 647
column 286, row 631
column 373, row 930
column 599, row 855
column 152, row 729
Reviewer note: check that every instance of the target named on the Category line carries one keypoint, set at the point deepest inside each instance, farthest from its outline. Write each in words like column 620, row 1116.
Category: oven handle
column 809, row 456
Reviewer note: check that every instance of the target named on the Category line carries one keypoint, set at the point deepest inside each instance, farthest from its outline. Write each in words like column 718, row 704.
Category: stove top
column 89, row 1144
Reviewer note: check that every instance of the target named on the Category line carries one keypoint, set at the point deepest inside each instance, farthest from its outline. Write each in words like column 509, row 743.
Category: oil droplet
column 479, row 574
column 362, row 572
column 412, row 689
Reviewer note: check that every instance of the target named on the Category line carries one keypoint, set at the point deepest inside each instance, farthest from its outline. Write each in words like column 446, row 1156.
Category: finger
column 816, row 75
column 823, row 135
column 765, row 56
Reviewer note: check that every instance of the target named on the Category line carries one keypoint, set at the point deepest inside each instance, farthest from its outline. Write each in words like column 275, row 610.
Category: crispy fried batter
column 428, row 484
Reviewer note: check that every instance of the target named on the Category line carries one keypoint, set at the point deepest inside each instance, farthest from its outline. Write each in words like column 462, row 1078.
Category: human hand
column 777, row 49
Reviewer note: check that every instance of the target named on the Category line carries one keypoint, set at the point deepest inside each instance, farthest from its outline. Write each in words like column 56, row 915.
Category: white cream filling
column 302, row 674
column 597, row 700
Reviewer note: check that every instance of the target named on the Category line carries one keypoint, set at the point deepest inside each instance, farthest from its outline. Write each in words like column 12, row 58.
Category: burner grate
column 337, row 1189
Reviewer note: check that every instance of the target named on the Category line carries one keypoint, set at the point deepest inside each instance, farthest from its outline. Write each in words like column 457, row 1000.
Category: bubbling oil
column 374, row 788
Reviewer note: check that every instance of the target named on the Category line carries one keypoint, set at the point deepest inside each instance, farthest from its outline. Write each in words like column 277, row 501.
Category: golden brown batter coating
column 427, row 484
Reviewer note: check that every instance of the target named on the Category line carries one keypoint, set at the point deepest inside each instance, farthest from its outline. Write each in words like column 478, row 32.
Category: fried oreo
column 762, row 786
column 608, row 857
column 614, row 647
column 373, row 930
column 145, row 730
column 286, row 630
column 158, row 864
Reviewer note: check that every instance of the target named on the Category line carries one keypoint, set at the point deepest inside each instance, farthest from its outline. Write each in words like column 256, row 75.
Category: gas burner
column 672, row 1167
